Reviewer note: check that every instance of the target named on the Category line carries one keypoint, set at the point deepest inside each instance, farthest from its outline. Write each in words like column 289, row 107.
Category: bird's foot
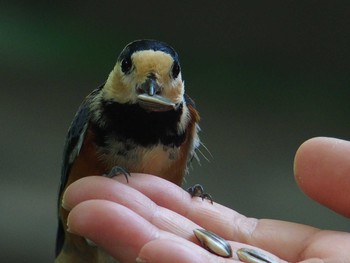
column 116, row 170
column 198, row 191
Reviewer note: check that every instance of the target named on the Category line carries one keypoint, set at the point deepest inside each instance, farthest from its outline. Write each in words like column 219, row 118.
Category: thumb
column 322, row 171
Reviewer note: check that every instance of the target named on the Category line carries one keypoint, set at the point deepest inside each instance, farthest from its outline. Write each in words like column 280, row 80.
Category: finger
column 123, row 234
column 162, row 250
column 168, row 196
column 97, row 187
column 322, row 170
column 104, row 222
column 171, row 251
column 174, row 198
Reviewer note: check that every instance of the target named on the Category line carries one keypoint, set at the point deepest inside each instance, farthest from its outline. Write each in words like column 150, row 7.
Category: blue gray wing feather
column 74, row 141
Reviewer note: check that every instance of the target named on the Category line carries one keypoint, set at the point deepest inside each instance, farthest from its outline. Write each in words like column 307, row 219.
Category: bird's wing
column 74, row 141
column 75, row 138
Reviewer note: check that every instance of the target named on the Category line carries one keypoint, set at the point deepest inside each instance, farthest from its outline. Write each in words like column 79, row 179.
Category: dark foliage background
column 266, row 76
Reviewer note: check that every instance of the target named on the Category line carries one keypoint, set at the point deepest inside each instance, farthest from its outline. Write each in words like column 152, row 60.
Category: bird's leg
column 198, row 191
column 116, row 170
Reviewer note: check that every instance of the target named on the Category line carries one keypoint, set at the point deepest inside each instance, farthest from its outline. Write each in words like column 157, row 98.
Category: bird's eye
column 126, row 65
column 175, row 70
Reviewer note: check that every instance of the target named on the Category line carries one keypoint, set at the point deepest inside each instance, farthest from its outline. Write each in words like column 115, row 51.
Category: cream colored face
column 122, row 87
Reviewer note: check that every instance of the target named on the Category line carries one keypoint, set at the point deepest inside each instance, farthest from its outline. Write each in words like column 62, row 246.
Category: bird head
column 147, row 73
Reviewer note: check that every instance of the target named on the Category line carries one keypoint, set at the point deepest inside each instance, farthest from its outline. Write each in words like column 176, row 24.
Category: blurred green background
column 266, row 76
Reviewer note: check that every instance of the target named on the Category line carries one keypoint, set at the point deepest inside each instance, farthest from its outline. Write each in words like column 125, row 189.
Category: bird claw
column 198, row 191
column 249, row 255
column 116, row 170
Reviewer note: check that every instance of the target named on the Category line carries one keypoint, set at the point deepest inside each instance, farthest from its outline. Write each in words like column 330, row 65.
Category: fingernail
column 63, row 204
column 140, row 260
column 68, row 229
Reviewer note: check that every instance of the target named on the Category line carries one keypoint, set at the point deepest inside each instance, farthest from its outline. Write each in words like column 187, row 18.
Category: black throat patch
column 130, row 122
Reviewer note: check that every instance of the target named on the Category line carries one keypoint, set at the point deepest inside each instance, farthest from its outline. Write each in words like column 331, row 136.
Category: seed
column 249, row 255
column 213, row 243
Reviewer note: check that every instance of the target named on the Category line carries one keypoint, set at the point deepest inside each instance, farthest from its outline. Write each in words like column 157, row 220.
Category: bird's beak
column 149, row 98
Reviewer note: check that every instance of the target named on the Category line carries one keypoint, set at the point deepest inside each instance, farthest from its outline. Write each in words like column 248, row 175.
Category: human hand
column 153, row 219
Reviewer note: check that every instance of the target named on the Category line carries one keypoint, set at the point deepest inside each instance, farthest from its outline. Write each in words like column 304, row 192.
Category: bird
column 139, row 120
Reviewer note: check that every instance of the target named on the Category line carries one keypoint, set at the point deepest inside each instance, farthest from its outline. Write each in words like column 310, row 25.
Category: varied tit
column 139, row 120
